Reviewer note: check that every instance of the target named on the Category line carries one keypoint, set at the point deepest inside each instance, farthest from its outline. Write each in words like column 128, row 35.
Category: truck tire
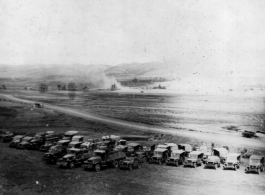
column 72, row 165
column 235, row 168
column 115, row 164
column 194, row 165
column 97, row 167
column 130, row 167
column 144, row 160
column 215, row 166
column 120, row 163
column 177, row 163
column 139, row 165
column 160, row 162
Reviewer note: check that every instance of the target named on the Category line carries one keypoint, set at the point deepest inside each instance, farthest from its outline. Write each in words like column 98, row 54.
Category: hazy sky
column 223, row 35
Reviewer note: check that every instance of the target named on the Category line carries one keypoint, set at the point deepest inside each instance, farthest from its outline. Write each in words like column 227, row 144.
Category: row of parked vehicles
column 71, row 150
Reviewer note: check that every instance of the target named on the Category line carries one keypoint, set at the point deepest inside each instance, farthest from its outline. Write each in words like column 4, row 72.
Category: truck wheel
column 160, row 162
column 215, row 166
column 194, row 165
column 130, row 167
column 72, row 165
column 235, row 168
column 120, row 163
column 177, row 163
column 97, row 167
column 219, row 165
column 115, row 164
column 139, row 165
column 144, row 160
column 258, row 171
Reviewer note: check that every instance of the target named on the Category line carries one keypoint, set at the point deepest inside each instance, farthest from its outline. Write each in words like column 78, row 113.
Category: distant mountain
column 50, row 71
column 150, row 69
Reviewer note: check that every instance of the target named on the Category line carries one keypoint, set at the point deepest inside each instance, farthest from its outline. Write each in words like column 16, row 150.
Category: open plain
column 183, row 119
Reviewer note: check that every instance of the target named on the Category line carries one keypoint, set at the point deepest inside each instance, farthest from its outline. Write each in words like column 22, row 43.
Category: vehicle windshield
column 71, row 145
column 231, row 158
column 211, row 157
column 175, row 154
column 26, row 138
column 71, row 152
column 17, row 138
column 130, row 148
column 254, row 161
column 159, row 153
column 48, row 143
column 129, row 158
column 98, row 154
column 37, row 137
column 193, row 156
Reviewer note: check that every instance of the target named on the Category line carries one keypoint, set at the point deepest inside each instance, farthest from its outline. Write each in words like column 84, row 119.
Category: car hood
column 127, row 161
column 69, row 155
column 191, row 159
column 175, row 158
column 157, row 156
column 94, row 158
column 254, row 164
column 23, row 143
column 231, row 161
column 213, row 161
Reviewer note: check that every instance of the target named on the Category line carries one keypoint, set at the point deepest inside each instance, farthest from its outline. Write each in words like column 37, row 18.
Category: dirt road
column 227, row 139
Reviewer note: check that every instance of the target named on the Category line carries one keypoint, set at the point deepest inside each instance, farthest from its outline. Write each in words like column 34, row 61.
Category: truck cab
column 74, row 144
column 77, row 138
column 63, row 143
column 74, row 157
column 16, row 140
column 256, row 164
column 221, row 153
column 6, row 136
column 160, row 156
column 233, row 161
column 134, row 147
column 177, row 157
column 212, row 162
column 103, row 158
column 186, row 147
column 69, row 135
column 194, row 159
column 49, row 142
column 24, row 142
column 55, row 153
column 131, row 162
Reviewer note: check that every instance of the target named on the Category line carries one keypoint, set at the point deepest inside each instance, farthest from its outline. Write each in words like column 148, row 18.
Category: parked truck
column 55, row 153
column 74, row 157
column 104, row 158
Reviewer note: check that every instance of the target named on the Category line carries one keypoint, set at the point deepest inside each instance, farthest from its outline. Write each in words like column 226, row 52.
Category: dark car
column 132, row 162
column 194, row 159
column 25, row 141
column 177, row 158
column 55, row 153
column 160, row 156
column 233, row 161
column 16, row 140
column 74, row 157
column 48, row 144
column 6, row 136
column 248, row 134
column 212, row 162
column 256, row 164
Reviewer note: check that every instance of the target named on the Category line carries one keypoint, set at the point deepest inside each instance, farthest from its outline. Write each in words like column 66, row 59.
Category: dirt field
column 20, row 170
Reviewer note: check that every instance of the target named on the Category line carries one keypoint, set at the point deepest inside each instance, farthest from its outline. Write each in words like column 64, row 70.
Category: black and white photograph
column 132, row 97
